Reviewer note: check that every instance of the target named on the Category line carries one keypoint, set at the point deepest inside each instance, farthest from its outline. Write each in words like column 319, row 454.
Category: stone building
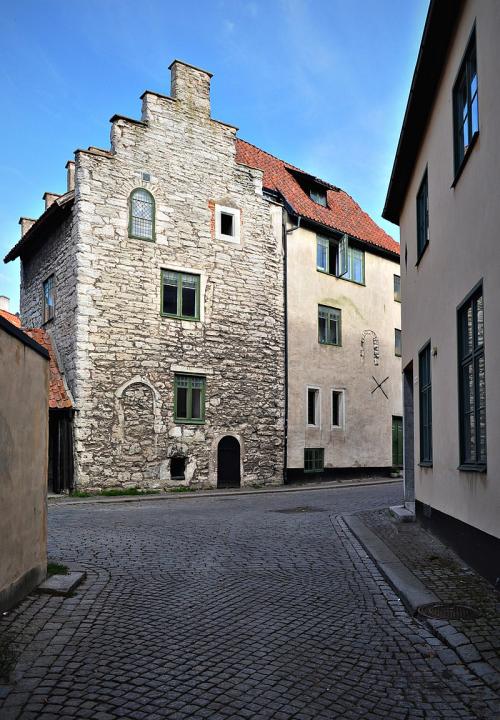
column 343, row 336
column 444, row 196
column 159, row 277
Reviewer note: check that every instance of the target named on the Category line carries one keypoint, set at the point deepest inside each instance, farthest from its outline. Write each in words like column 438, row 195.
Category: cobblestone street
column 235, row 607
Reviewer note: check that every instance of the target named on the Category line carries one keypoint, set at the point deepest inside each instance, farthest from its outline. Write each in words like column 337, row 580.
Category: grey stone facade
column 119, row 353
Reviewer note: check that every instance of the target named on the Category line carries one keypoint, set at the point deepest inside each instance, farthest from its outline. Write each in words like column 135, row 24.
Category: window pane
column 196, row 404
column 479, row 321
column 397, row 288
column 322, row 254
column 170, row 283
column 142, row 211
column 311, row 406
column 336, row 400
column 322, row 328
column 181, row 402
column 226, row 224
column 467, row 331
column 333, row 335
column 333, row 257
column 397, row 343
column 188, row 301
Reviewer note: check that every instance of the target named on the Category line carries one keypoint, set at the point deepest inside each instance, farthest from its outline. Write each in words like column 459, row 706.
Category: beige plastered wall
column 23, row 468
column 464, row 249
column 366, row 438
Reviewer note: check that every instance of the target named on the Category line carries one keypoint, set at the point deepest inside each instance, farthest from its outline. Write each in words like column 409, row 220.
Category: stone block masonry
column 119, row 352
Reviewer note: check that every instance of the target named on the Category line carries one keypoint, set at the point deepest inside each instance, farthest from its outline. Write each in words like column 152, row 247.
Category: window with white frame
column 337, row 408
column 313, row 407
column 227, row 224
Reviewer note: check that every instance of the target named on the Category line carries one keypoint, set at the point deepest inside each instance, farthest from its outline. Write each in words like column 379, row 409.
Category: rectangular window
column 313, row 406
column 337, row 408
column 227, row 224
column 329, row 325
column 329, row 260
column 397, row 342
column 472, row 381
column 425, row 404
column 318, row 195
column 48, row 299
column 189, row 401
column 422, row 216
column 180, row 295
column 465, row 104
column 313, row 460
column 397, row 288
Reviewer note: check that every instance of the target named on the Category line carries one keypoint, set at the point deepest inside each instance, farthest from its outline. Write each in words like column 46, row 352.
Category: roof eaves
column 440, row 24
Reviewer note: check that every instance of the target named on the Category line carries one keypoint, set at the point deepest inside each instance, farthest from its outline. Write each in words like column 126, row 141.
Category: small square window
column 313, row 406
column 397, row 342
column 227, row 224
column 314, row 460
column 48, row 299
column 189, row 402
column 337, row 408
column 397, row 288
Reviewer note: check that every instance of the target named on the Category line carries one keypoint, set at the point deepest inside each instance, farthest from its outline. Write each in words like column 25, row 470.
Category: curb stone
column 413, row 593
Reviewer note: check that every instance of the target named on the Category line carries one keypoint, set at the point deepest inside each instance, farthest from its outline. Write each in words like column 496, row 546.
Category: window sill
column 180, row 421
column 465, row 159
column 422, row 253
column 180, row 317
column 136, row 237
column 339, row 277
column 326, row 344
column 309, row 472
column 472, row 468
column 425, row 464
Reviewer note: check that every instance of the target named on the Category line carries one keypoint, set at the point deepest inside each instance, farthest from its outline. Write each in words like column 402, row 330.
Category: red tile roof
column 14, row 319
column 342, row 214
column 58, row 396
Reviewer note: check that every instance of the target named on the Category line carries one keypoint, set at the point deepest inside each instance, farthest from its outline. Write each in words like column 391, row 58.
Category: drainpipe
column 285, row 301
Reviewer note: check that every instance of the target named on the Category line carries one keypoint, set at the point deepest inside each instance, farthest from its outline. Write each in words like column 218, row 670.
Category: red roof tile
column 58, row 396
column 14, row 319
column 342, row 214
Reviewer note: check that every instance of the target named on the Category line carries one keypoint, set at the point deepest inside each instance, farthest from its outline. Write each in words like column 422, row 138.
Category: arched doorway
column 228, row 463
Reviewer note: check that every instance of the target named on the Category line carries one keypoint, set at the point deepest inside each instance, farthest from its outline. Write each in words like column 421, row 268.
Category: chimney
column 191, row 85
column 70, row 167
column 50, row 199
column 26, row 224
column 4, row 303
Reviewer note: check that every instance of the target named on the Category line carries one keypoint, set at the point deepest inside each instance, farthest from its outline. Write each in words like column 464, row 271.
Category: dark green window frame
column 314, row 460
column 183, row 281
column 472, row 382
column 190, row 406
column 465, row 106
column 141, row 218
column 425, row 404
column 422, row 216
column 332, row 318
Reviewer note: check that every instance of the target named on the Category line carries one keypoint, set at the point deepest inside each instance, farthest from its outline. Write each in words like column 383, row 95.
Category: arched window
column 142, row 215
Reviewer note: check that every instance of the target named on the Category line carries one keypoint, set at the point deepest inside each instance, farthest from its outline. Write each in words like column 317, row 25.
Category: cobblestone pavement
column 227, row 608
column 477, row 641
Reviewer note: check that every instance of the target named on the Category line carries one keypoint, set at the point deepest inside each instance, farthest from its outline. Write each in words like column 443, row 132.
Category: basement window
column 314, row 460
column 227, row 224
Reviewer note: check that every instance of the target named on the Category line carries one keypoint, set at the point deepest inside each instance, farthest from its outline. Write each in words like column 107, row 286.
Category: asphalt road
column 235, row 607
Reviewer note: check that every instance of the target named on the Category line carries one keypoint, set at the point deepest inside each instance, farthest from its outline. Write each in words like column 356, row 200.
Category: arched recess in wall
column 365, row 337
column 138, row 414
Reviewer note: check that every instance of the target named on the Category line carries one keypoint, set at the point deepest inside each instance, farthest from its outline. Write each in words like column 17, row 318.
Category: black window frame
column 423, row 236
column 462, row 150
column 464, row 360
column 425, row 405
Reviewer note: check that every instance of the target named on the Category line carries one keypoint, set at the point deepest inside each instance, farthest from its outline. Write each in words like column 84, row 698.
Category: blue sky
column 320, row 83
